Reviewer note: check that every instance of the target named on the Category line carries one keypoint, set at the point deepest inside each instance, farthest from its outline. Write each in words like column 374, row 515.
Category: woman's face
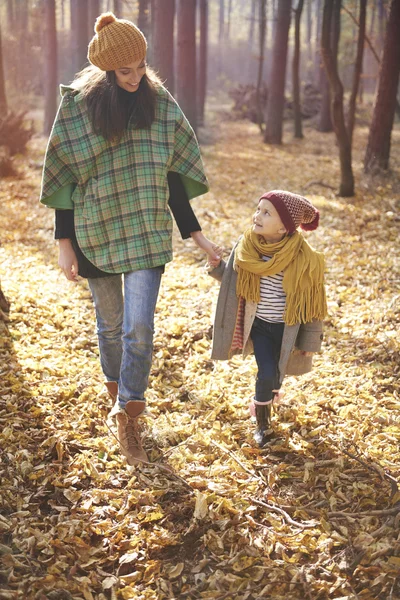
column 129, row 76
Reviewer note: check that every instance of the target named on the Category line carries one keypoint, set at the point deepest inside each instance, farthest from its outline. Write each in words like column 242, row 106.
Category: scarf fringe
column 303, row 279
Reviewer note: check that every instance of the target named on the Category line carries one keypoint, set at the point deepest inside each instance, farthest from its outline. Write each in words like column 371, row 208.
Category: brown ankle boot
column 129, row 433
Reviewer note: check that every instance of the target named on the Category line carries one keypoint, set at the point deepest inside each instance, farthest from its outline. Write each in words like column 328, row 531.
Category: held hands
column 67, row 260
column 214, row 252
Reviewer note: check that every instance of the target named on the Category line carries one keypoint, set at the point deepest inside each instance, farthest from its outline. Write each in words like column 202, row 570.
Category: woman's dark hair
column 110, row 109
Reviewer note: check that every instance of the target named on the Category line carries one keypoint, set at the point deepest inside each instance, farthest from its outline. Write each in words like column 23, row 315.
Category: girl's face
column 129, row 77
column 267, row 222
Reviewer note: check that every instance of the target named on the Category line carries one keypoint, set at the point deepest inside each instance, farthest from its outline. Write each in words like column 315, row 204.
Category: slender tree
column 298, row 128
column 93, row 12
column 3, row 97
column 252, row 20
column 163, row 12
column 50, row 65
column 331, row 17
column 276, row 87
column 309, row 39
column 186, row 59
column 79, row 32
column 144, row 16
column 378, row 147
column 11, row 14
column 357, row 69
column 261, row 37
column 118, row 8
column 203, row 59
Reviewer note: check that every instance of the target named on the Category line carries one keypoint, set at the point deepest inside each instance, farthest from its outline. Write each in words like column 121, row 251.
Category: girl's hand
column 67, row 260
column 214, row 252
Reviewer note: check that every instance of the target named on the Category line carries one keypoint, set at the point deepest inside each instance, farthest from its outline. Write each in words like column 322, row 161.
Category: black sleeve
column 64, row 225
column 181, row 207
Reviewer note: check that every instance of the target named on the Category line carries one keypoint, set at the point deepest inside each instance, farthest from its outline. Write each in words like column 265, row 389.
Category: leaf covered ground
column 315, row 515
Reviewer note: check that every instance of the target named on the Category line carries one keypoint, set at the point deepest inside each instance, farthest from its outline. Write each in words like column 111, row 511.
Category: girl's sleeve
column 180, row 206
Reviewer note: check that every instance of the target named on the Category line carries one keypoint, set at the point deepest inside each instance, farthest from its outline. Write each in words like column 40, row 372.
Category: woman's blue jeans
column 125, row 306
column 267, row 342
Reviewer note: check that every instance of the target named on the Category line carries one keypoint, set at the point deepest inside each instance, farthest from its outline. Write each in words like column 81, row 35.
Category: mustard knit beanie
column 116, row 43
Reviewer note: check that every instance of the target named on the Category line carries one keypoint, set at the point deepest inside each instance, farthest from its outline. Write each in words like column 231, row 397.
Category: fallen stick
column 235, row 458
column 285, row 515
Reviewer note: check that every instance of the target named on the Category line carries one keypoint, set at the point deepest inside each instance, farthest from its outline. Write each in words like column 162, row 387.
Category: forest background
column 291, row 95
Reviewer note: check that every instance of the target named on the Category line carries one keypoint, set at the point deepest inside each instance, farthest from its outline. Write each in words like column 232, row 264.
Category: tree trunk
column 318, row 59
column 94, row 11
column 276, row 87
column 357, row 70
column 186, row 59
column 3, row 97
column 79, row 33
column 118, row 8
column 62, row 12
column 252, row 20
column 309, row 40
column 221, row 22
column 262, row 29
column 203, row 59
column 10, row 15
column 144, row 17
column 331, row 19
column 163, row 12
column 50, row 65
column 228, row 22
column 378, row 147
column 298, row 129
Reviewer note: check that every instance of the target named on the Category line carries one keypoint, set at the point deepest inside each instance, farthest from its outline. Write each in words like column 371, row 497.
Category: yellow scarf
column 303, row 274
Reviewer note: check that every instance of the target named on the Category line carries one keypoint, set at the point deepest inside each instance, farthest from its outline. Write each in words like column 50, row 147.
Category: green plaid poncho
column 119, row 192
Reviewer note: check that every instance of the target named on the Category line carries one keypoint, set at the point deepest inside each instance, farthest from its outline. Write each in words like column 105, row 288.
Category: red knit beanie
column 294, row 210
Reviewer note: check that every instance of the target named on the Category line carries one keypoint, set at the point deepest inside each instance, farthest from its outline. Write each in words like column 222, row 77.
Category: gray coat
column 296, row 338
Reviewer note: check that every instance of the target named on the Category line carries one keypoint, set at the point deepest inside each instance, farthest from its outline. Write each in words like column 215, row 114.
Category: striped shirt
column 272, row 298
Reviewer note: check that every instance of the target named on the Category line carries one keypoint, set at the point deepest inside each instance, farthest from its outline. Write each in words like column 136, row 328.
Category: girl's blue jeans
column 125, row 306
column 267, row 341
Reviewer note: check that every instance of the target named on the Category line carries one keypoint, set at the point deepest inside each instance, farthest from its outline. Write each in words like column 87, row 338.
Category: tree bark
column 163, row 12
column 357, row 70
column 203, row 59
column 118, row 8
column 262, row 30
column 252, row 20
column 93, row 12
column 79, row 33
column 144, row 16
column 378, row 147
column 276, row 87
column 331, row 17
column 298, row 128
column 3, row 97
column 50, row 65
column 186, row 59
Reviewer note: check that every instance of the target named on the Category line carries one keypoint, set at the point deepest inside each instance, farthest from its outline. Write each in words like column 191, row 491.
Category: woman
column 120, row 152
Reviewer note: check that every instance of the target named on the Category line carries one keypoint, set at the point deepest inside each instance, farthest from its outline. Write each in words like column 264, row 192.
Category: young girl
column 120, row 152
column 272, row 298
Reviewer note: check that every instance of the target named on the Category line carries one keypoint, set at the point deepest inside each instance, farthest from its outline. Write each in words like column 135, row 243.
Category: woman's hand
column 67, row 260
column 214, row 252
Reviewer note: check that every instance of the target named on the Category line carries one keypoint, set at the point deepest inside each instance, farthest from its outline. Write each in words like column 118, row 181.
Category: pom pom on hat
column 294, row 210
column 103, row 20
column 116, row 43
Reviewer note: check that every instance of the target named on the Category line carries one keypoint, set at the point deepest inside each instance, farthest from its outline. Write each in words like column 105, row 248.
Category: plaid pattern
column 122, row 220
